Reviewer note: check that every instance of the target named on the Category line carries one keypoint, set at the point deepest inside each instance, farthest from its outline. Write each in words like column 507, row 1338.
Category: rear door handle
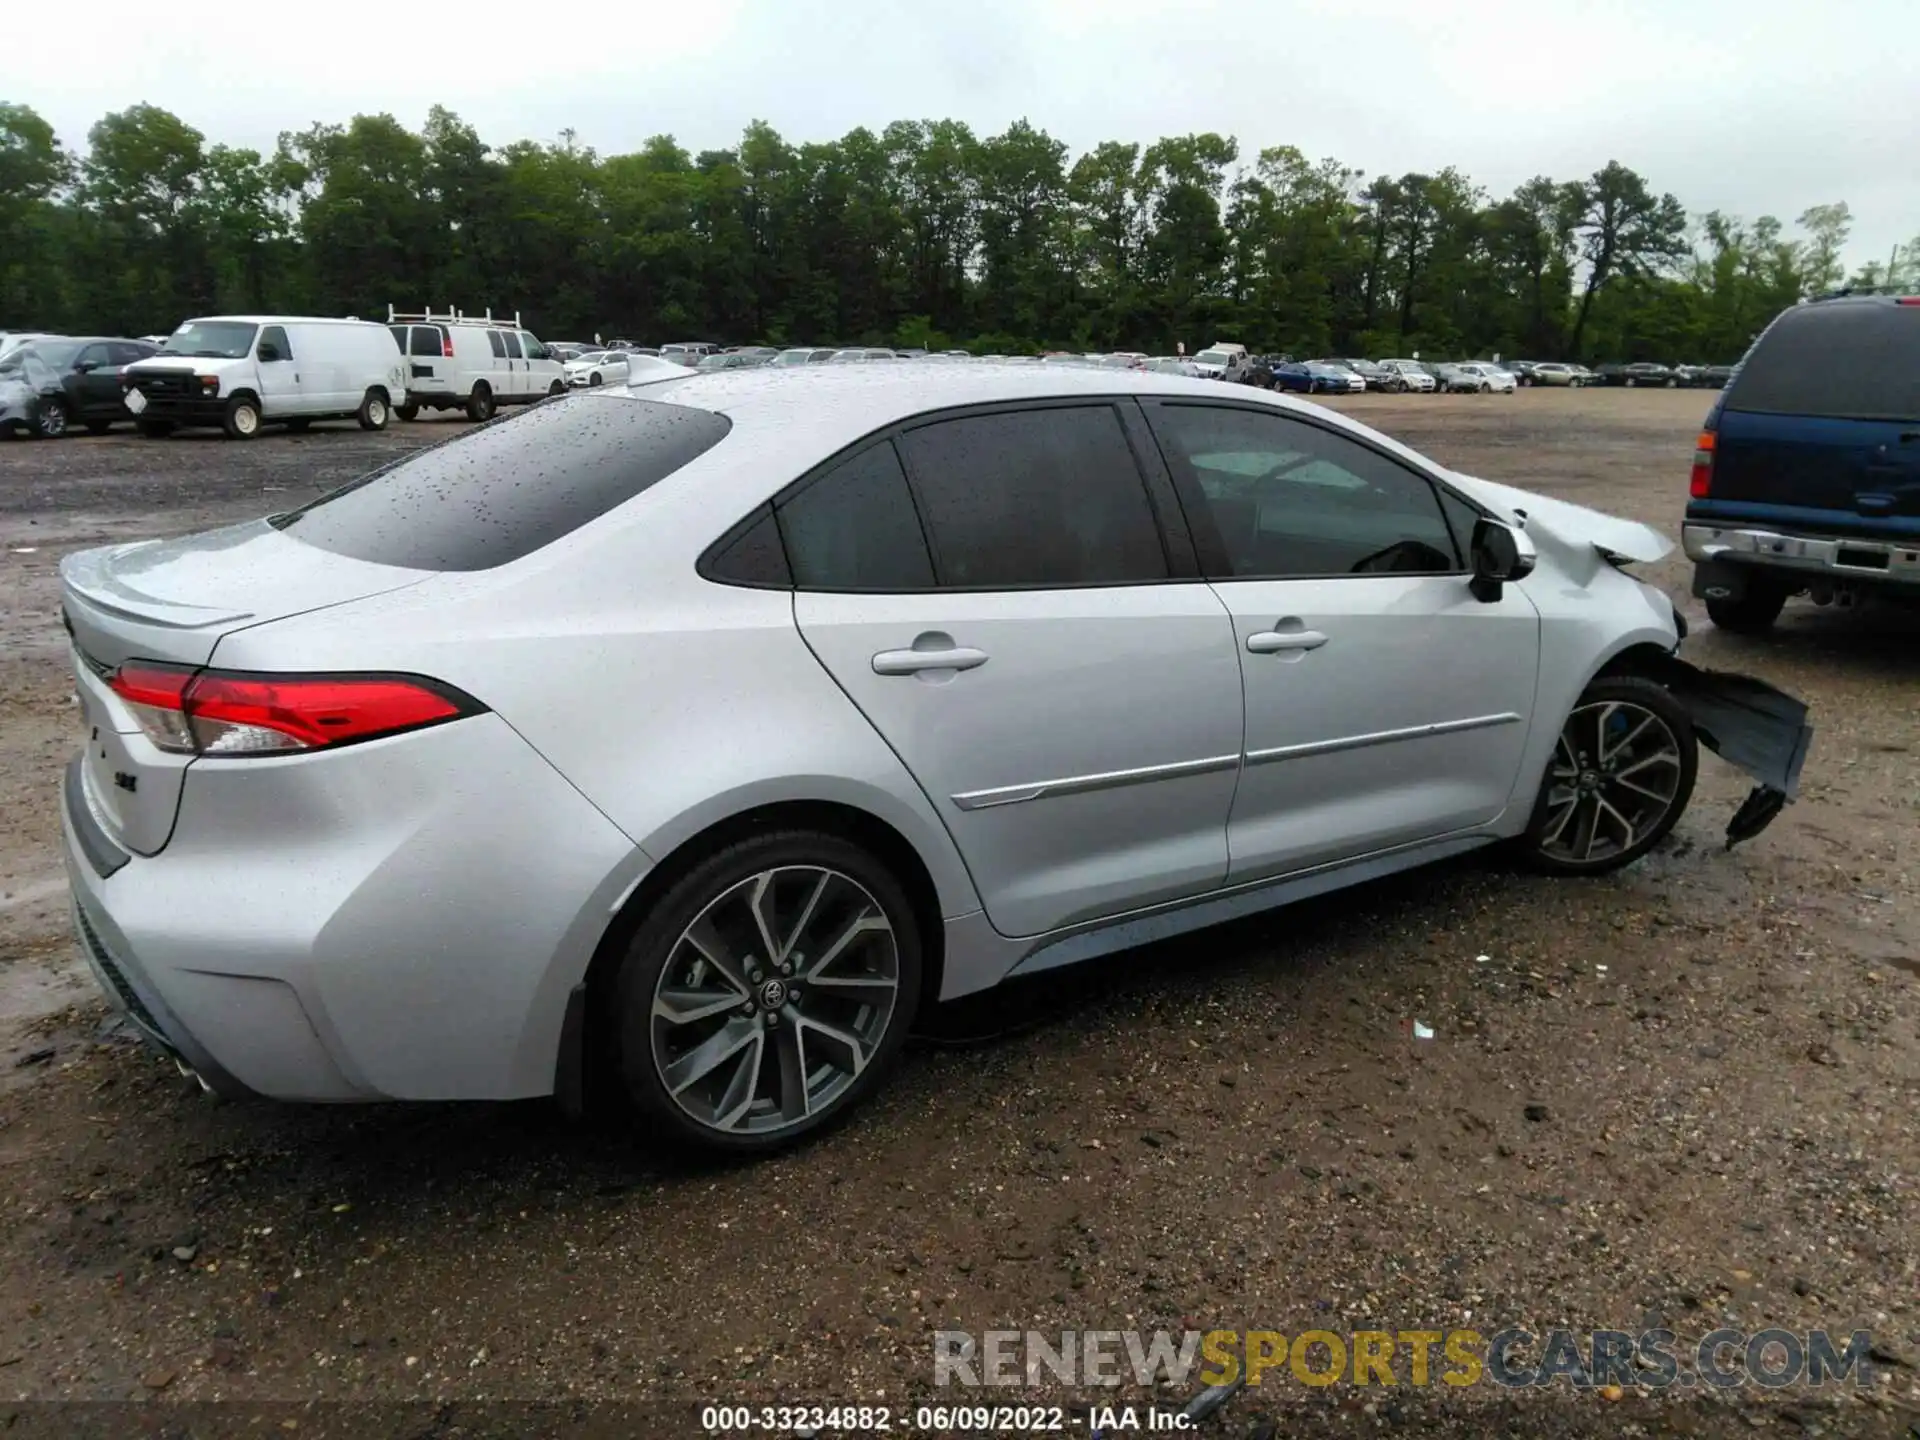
column 915, row 662
column 1275, row 642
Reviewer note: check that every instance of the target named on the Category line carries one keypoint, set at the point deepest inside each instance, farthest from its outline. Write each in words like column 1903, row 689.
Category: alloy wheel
column 1615, row 777
column 774, row 1000
column 53, row 420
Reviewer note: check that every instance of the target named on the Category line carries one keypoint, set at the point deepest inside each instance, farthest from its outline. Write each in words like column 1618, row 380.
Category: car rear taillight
column 1700, row 482
column 446, row 344
column 215, row 713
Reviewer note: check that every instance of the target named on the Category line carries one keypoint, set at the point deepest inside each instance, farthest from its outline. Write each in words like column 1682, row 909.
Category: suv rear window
column 504, row 490
column 1850, row 360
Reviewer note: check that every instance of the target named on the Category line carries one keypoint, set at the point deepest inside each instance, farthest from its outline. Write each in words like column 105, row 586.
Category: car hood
column 1572, row 524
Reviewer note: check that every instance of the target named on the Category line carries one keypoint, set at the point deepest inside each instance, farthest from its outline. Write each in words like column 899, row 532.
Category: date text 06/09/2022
column 823, row 1420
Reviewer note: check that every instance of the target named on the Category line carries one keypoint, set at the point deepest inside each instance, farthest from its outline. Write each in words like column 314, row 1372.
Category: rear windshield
column 500, row 492
column 1840, row 360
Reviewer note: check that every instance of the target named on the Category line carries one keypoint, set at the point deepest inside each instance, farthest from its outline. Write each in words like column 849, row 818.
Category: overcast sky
column 1750, row 106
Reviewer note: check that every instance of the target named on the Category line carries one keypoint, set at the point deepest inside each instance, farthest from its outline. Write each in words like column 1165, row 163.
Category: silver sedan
column 683, row 741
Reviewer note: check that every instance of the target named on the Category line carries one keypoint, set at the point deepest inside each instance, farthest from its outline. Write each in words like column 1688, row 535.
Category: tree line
column 923, row 233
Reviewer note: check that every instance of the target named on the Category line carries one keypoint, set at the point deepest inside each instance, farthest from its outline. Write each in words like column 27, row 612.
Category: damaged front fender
column 1749, row 724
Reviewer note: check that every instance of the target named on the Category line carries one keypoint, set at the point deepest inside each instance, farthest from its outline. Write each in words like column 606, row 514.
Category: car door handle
column 916, row 661
column 1275, row 642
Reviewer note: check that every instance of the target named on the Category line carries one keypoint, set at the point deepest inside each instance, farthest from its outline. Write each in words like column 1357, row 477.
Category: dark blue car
column 1806, row 477
column 1311, row 379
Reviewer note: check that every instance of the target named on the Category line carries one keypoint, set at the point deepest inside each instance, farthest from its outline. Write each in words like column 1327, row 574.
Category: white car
column 1492, row 379
column 1554, row 372
column 692, row 726
column 472, row 363
column 240, row 372
column 1409, row 375
column 598, row 367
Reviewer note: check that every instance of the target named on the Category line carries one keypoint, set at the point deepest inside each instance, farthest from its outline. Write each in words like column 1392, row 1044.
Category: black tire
column 656, row 943
column 1486, row 387
column 1754, row 612
column 594, row 378
column 155, row 429
column 241, row 420
column 556, row 388
column 49, row 419
column 374, row 412
column 298, row 427
column 480, row 405
column 1546, row 845
column 408, row 411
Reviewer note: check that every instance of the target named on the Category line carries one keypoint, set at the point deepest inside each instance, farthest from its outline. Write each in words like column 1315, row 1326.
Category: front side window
column 854, row 528
column 533, row 349
column 1035, row 499
column 94, row 355
column 1288, row 500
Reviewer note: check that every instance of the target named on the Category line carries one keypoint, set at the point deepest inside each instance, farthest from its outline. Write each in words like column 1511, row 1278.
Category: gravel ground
column 1682, row 1096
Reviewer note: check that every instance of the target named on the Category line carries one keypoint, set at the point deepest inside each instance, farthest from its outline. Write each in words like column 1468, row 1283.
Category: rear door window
column 504, row 490
column 1032, row 499
column 1847, row 360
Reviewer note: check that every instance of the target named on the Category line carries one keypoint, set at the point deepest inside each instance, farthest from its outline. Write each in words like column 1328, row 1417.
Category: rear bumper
column 1721, row 552
column 404, row 919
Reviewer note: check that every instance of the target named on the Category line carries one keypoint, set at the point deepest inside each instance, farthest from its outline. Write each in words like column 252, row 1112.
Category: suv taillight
column 1700, row 482
column 215, row 712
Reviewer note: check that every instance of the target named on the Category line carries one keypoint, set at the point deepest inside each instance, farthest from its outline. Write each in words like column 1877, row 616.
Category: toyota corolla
column 700, row 734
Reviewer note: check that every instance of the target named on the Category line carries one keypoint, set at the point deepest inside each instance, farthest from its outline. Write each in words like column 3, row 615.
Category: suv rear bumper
column 1846, row 559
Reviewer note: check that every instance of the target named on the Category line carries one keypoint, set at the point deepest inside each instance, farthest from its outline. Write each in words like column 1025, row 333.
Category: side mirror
column 1500, row 553
column 268, row 353
column 85, row 367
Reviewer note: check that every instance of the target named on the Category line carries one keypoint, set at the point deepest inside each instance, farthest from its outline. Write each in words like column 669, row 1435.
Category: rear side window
column 1839, row 359
column 497, row 345
column 427, row 340
column 1035, row 499
column 504, row 490
column 512, row 342
column 854, row 528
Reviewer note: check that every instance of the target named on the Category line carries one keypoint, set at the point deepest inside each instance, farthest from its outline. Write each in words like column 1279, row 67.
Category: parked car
column 1521, row 370
column 375, row 779
column 1486, row 378
column 1409, row 375
column 862, row 355
column 687, row 352
column 1312, row 377
column 1583, row 376
column 13, row 339
column 1550, row 372
column 1213, row 363
column 598, row 367
column 240, row 372
column 472, row 363
column 805, row 355
column 1642, row 372
column 1713, row 377
column 53, row 383
column 1806, row 476
column 759, row 354
column 1373, row 376
column 733, row 360
column 1174, row 365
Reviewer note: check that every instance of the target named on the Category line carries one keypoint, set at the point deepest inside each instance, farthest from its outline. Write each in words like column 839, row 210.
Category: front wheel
column 765, row 994
column 373, row 412
column 556, row 388
column 51, row 421
column 242, row 418
column 1621, row 774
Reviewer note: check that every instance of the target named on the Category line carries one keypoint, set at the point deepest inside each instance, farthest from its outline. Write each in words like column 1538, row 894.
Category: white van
column 244, row 371
column 472, row 363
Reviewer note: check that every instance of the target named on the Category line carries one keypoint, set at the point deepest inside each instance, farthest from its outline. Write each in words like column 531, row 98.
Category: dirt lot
column 1685, row 1095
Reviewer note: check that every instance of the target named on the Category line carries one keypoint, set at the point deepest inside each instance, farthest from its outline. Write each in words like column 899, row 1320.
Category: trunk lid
column 172, row 601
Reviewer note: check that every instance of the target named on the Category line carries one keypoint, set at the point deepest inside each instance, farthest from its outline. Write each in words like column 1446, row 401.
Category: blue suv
column 1807, row 475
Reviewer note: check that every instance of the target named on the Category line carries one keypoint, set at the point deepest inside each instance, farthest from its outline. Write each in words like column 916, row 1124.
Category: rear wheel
column 374, row 412
column 242, row 418
column 480, row 403
column 1751, row 613
column 1486, row 387
column 767, row 991
column 50, row 422
column 1621, row 774
column 155, row 429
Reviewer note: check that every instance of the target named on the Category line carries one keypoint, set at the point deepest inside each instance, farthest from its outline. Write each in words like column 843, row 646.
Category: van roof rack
column 452, row 317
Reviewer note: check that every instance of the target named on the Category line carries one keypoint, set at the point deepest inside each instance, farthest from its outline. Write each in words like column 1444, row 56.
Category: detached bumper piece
column 1749, row 724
